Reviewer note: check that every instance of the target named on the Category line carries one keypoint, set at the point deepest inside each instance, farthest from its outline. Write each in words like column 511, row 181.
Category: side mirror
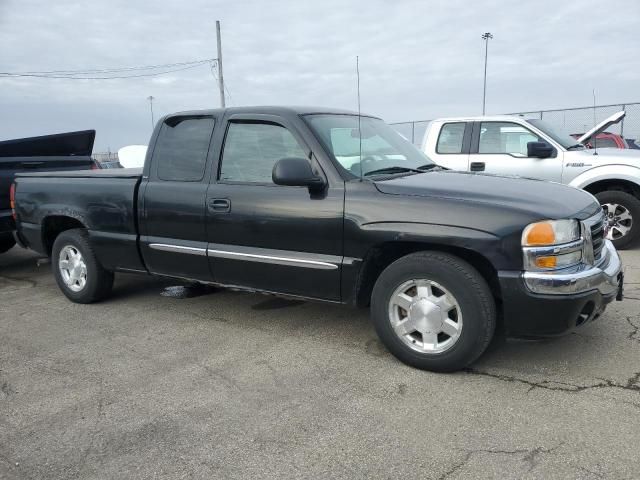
column 539, row 150
column 296, row 172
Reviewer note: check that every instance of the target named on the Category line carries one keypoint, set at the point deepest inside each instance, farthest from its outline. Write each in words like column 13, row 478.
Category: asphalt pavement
column 158, row 382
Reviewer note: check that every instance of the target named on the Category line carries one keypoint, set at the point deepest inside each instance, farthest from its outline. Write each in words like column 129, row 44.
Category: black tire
column 7, row 242
column 98, row 280
column 469, row 289
column 632, row 204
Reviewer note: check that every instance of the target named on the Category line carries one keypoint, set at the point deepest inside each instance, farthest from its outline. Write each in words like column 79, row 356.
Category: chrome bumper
column 603, row 277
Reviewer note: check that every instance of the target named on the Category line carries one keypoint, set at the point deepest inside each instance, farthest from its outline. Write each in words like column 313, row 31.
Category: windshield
column 382, row 147
column 557, row 134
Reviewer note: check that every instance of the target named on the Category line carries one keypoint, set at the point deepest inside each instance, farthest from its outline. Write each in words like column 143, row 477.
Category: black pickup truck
column 60, row 151
column 326, row 205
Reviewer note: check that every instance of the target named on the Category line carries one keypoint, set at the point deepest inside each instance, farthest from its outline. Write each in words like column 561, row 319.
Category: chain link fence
column 105, row 156
column 571, row 120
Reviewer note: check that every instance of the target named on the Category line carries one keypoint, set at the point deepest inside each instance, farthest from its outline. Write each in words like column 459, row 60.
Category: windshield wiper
column 430, row 166
column 394, row 169
column 575, row 145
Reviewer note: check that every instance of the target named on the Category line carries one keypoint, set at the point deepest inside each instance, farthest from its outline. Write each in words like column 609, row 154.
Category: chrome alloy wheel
column 425, row 316
column 618, row 219
column 72, row 268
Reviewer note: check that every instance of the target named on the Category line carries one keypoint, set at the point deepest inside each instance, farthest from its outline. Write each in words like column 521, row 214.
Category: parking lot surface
column 233, row 385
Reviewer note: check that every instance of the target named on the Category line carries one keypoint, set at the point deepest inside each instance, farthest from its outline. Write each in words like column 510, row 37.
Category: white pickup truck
column 512, row 145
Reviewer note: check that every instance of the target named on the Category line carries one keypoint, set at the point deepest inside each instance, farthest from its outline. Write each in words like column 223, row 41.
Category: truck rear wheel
column 6, row 242
column 77, row 270
column 623, row 216
column 433, row 311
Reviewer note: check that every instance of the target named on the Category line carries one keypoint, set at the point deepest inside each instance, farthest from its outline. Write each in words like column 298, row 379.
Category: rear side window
column 252, row 149
column 181, row 149
column 451, row 138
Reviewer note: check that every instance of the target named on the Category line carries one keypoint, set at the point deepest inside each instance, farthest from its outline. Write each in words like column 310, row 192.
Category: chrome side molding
column 178, row 249
column 277, row 260
column 261, row 255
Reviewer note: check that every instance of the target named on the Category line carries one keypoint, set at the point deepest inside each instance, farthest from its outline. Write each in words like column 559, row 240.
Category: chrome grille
column 595, row 225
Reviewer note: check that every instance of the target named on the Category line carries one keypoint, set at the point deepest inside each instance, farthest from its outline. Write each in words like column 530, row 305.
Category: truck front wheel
column 433, row 311
column 623, row 216
column 77, row 270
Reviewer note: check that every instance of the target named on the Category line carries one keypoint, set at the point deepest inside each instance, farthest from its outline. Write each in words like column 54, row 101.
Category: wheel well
column 53, row 226
column 614, row 184
column 380, row 257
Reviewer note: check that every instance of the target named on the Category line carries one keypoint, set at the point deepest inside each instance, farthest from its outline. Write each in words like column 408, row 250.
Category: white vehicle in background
column 132, row 156
column 512, row 145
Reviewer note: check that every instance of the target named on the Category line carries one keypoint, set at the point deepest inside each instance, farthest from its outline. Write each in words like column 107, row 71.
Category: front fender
column 486, row 244
column 607, row 172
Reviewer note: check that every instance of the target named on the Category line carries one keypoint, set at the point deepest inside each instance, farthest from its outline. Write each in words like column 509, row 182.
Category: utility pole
column 485, row 36
column 153, row 123
column 220, row 77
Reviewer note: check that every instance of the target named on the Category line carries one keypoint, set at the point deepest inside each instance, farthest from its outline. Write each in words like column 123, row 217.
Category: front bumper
column 538, row 304
column 583, row 278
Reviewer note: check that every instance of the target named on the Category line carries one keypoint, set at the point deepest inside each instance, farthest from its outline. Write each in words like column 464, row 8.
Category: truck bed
column 106, row 173
column 105, row 201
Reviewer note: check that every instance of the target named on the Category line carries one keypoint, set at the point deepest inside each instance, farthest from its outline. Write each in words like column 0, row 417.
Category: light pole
column 485, row 36
column 220, row 77
column 150, row 98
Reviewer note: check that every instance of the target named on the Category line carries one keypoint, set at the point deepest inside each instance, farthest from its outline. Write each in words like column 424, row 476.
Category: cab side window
column 505, row 137
column 181, row 149
column 251, row 149
column 451, row 137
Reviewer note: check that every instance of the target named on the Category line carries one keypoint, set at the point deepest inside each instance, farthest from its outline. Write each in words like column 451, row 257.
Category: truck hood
column 605, row 156
column 602, row 126
column 543, row 199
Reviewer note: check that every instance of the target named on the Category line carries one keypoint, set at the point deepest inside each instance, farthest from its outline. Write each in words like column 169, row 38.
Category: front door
column 501, row 148
column 271, row 237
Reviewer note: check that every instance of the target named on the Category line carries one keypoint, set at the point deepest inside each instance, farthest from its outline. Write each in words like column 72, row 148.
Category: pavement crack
column 457, row 466
column 590, row 472
column 634, row 333
column 632, row 384
column 529, row 456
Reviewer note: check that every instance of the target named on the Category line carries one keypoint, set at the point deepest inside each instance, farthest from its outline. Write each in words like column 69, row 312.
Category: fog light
column 546, row 262
column 558, row 261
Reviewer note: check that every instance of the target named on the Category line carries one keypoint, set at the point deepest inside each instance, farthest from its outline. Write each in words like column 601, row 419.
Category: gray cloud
column 418, row 59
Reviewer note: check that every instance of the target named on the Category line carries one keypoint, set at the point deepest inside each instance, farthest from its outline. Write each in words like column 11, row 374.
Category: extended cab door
column 271, row 237
column 172, row 212
column 500, row 147
column 448, row 142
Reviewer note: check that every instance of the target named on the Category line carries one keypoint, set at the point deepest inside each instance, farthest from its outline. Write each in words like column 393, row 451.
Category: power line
column 92, row 74
column 215, row 77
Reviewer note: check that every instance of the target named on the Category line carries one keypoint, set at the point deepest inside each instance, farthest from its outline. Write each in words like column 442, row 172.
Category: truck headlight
column 552, row 244
column 550, row 232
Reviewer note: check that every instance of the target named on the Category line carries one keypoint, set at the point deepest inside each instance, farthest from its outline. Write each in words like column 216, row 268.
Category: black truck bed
column 106, row 173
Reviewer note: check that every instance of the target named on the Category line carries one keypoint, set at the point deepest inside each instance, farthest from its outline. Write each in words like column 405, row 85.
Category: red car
column 605, row 140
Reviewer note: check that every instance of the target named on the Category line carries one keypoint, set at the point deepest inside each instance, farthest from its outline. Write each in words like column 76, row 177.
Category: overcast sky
column 418, row 59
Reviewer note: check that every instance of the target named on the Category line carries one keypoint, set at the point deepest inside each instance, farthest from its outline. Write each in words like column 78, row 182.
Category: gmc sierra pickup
column 326, row 205
column 61, row 151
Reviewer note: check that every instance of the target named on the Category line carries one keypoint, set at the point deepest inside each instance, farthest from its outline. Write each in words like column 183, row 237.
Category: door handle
column 477, row 166
column 32, row 164
column 219, row 205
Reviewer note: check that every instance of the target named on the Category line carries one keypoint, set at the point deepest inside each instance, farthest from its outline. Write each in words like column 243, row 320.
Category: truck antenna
column 359, row 130
column 595, row 143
